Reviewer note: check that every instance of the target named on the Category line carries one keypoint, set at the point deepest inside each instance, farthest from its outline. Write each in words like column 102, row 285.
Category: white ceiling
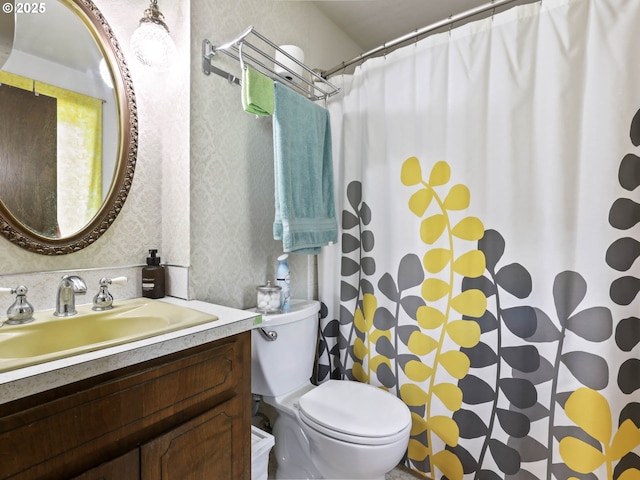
column 371, row 23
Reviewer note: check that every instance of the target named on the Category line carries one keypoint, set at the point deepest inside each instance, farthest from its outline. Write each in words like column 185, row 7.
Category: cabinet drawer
column 97, row 420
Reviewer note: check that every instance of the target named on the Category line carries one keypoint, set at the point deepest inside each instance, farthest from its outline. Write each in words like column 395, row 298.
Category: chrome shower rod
column 422, row 31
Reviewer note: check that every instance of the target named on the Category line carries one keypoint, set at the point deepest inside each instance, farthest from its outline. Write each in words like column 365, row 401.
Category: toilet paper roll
column 297, row 53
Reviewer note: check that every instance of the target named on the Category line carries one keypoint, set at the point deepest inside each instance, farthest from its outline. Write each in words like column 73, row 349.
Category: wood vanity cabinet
column 184, row 416
column 124, row 467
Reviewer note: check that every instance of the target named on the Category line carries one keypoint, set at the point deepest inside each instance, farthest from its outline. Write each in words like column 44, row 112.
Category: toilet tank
column 285, row 364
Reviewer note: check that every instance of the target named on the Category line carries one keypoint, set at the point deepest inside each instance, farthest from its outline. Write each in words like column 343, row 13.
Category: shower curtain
column 487, row 273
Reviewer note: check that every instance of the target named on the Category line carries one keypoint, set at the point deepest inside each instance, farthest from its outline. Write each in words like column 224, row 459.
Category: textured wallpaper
column 163, row 153
column 232, row 193
column 162, row 108
column 203, row 187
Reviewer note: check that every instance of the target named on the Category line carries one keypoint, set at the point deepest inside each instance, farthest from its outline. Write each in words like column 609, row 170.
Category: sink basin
column 50, row 338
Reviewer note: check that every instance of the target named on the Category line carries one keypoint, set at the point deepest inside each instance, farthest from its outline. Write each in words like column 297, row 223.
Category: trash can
column 261, row 443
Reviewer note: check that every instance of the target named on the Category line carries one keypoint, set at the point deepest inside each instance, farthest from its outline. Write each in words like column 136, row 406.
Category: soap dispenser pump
column 153, row 277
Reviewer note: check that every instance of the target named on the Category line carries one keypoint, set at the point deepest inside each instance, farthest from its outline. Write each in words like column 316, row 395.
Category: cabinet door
column 212, row 446
column 126, row 467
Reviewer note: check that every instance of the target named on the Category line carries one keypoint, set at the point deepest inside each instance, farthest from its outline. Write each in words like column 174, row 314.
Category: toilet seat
column 354, row 412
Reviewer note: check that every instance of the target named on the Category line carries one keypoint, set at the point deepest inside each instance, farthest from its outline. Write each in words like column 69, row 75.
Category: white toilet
column 337, row 430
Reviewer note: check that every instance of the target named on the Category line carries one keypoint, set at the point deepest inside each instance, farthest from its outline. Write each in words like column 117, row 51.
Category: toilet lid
column 355, row 408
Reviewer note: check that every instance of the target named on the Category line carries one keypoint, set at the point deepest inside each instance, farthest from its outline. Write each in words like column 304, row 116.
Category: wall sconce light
column 151, row 42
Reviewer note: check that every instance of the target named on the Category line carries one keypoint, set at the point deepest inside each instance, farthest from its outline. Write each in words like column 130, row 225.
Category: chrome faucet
column 66, row 298
column 20, row 311
column 104, row 300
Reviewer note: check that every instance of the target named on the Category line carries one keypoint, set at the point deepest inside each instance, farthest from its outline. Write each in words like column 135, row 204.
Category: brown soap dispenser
column 153, row 277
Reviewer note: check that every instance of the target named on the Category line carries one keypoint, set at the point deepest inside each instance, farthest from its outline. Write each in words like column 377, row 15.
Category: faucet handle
column 117, row 280
column 103, row 299
column 20, row 311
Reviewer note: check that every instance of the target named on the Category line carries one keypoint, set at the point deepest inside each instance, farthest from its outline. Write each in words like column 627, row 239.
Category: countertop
column 22, row 382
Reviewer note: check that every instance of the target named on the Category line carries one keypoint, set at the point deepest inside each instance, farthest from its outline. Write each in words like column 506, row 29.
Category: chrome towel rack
column 249, row 48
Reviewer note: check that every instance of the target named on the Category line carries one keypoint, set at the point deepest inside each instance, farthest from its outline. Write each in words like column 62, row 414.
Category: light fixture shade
column 151, row 42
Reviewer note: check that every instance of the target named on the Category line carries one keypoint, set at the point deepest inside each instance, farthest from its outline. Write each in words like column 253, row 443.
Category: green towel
column 257, row 92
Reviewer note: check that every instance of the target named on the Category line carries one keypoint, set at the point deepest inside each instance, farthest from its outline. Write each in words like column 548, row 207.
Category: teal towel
column 305, row 217
column 257, row 92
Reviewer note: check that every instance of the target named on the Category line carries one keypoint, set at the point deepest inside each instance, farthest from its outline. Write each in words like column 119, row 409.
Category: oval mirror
column 68, row 128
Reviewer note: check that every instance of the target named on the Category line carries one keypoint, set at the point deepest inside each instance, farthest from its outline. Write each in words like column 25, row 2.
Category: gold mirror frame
column 19, row 234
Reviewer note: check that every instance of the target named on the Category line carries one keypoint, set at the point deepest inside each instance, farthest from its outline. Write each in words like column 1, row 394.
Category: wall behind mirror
column 139, row 225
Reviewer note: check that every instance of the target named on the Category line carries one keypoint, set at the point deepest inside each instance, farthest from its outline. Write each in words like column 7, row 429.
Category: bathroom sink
column 50, row 338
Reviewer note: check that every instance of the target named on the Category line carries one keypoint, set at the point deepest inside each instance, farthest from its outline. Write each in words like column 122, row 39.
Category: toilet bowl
column 336, row 430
